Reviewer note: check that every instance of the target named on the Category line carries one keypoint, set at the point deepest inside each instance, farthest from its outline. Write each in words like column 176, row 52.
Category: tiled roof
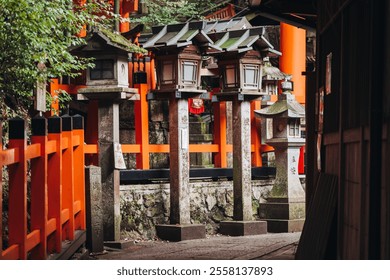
column 234, row 35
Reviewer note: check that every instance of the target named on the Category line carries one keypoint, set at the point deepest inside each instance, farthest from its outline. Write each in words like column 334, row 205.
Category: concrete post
column 108, row 115
column 179, row 161
column 180, row 227
column 243, row 223
column 94, row 204
column 242, row 161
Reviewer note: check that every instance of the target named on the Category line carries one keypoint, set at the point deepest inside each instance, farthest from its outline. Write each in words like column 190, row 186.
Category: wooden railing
column 48, row 175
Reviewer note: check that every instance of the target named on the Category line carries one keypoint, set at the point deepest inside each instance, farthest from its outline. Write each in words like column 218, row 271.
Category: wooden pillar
column 293, row 59
column 17, row 209
column 220, row 133
column 79, row 173
column 54, row 180
column 141, row 113
column 39, row 198
column 68, row 178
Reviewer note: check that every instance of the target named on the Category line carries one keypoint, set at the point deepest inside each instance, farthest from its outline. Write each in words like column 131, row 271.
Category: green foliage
column 161, row 12
column 34, row 31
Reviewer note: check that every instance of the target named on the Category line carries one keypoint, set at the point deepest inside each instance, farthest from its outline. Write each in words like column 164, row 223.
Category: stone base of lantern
column 243, row 228
column 181, row 232
column 283, row 216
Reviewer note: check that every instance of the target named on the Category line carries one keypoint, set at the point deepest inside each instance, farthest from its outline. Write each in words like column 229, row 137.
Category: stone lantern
column 108, row 84
column 177, row 50
column 285, row 207
column 240, row 62
column 271, row 77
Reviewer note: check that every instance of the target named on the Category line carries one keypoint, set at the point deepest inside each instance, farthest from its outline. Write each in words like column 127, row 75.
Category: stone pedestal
column 243, row 223
column 181, row 232
column 109, row 98
column 94, row 211
column 285, row 207
column 180, row 221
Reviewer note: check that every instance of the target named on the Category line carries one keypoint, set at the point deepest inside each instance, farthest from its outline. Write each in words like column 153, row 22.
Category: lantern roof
column 233, row 35
column 271, row 72
column 178, row 35
column 242, row 40
column 104, row 39
column 286, row 106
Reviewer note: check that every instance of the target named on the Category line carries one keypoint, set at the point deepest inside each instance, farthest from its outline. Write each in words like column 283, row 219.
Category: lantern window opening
column 189, row 72
column 294, row 128
column 168, row 72
column 251, row 76
column 104, row 70
column 231, row 76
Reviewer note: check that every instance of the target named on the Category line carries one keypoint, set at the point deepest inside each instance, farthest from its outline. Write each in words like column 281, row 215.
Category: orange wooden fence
column 56, row 190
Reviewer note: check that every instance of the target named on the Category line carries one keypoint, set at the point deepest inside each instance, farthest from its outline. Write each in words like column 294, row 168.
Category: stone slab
column 243, row 228
column 181, row 232
column 285, row 211
column 121, row 244
column 278, row 226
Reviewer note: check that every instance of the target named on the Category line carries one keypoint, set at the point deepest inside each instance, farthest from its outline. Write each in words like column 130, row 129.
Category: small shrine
column 285, row 207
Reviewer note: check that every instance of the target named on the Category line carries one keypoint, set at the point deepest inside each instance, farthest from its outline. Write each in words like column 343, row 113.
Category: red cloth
column 195, row 106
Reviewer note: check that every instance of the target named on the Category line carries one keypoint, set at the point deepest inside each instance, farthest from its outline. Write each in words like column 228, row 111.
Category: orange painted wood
column 204, row 148
column 51, row 226
column 64, row 216
column 256, row 135
column 141, row 111
column 71, row 89
column 76, row 139
column 220, row 133
column 33, row 239
column 51, row 147
column 53, row 89
column 161, row 148
column 11, row 253
column 152, row 73
column 77, row 206
column 68, row 183
column 9, row 156
column 33, row 151
column 131, row 148
column 79, row 178
column 266, row 149
column 293, row 59
column 90, row 149
column 17, row 211
column 54, row 181
column 39, row 198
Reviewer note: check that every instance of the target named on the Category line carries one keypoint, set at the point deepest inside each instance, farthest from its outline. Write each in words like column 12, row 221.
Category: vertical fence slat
column 39, row 203
column 17, row 210
column 68, row 177
column 54, row 179
column 79, row 172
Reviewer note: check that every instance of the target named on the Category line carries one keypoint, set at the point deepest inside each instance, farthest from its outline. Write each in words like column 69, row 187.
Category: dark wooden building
column 348, row 113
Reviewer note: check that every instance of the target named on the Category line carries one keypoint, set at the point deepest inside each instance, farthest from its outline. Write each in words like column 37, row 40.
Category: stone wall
column 144, row 206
